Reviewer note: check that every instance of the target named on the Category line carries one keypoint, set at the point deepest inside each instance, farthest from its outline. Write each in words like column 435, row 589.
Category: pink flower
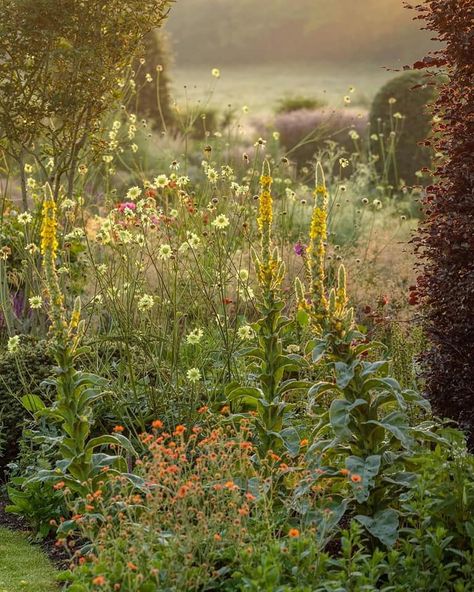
column 126, row 205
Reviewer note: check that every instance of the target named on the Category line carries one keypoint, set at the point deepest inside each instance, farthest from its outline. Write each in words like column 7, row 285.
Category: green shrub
column 296, row 102
column 20, row 374
column 411, row 94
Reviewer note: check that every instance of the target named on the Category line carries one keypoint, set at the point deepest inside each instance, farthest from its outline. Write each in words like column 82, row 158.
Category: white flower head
column 145, row 303
column 193, row 375
column 221, row 222
column 13, row 345
column 246, row 332
column 35, row 302
column 165, row 252
column 161, row 181
column 134, row 193
column 195, row 336
column 25, row 218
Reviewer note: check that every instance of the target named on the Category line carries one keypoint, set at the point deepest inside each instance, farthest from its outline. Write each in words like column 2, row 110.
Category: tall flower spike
column 49, row 242
column 317, row 247
column 49, row 247
column 265, row 213
column 341, row 294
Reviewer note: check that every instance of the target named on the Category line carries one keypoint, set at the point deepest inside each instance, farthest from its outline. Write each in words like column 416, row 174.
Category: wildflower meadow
column 236, row 333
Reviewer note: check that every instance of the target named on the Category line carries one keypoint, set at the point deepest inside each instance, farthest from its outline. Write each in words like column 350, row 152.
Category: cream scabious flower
column 245, row 332
column 133, row 193
column 193, row 375
column 25, row 218
column 13, row 345
column 221, row 222
column 161, row 181
column 195, row 336
column 165, row 252
column 145, row 303
column 35, row 302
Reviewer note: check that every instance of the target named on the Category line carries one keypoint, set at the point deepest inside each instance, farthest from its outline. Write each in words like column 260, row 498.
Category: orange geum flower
column 304, row 442
column 344, row 472
column 203, row 409
column 118, row 429
column 293, row 533
column 179, row 431
column 231, row 485
column 132, row 566
column 157, row 424
column 59, row 485
column 217, row 537
column 356, row 478
column 250, row 497
column 99, row 581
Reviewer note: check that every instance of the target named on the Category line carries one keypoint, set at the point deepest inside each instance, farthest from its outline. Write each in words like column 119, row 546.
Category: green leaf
column 323, row 387
column 249, row 392
column 292, row 385
column 107, row 439
column 302, row 317
column 344, row 373
column 383, row 526
column 33, row 403
column 291, row 440
column 367, row 468
column 339, row 416
column 373, row 367
column 396, row 423
column 319, row 351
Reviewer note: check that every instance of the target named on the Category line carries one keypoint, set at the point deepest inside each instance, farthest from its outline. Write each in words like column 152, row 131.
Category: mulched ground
column 57, row 555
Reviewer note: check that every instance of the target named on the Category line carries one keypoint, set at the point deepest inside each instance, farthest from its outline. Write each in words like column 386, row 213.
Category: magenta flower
column 299, row 249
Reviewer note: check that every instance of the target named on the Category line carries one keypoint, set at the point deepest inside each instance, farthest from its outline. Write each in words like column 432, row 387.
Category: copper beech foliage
column 445, row 242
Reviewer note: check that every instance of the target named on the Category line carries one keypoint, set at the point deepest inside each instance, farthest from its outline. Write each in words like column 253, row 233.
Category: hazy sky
column 238, row 31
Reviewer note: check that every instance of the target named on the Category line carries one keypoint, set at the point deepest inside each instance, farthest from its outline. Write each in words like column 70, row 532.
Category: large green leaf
column 108, row 439
column 340, row 416
column 32, row 403
column 291, row 439
column 344, row 373
column 396, row 423
column 367, row 469
column 383, row 526
column 247, row 392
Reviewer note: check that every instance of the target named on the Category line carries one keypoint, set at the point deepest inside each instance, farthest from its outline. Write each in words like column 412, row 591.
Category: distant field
column 259, row 87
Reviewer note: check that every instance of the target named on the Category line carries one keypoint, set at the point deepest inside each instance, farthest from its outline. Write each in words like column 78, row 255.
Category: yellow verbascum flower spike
column 49, row 249
column 317, row 247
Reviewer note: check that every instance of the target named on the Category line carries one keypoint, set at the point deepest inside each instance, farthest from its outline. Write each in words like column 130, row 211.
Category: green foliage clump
column 407, row 95
column 20, row 374
column 296, row 102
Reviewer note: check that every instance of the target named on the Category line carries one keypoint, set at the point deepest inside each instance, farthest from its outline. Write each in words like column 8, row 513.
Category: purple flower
column 299, row 249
